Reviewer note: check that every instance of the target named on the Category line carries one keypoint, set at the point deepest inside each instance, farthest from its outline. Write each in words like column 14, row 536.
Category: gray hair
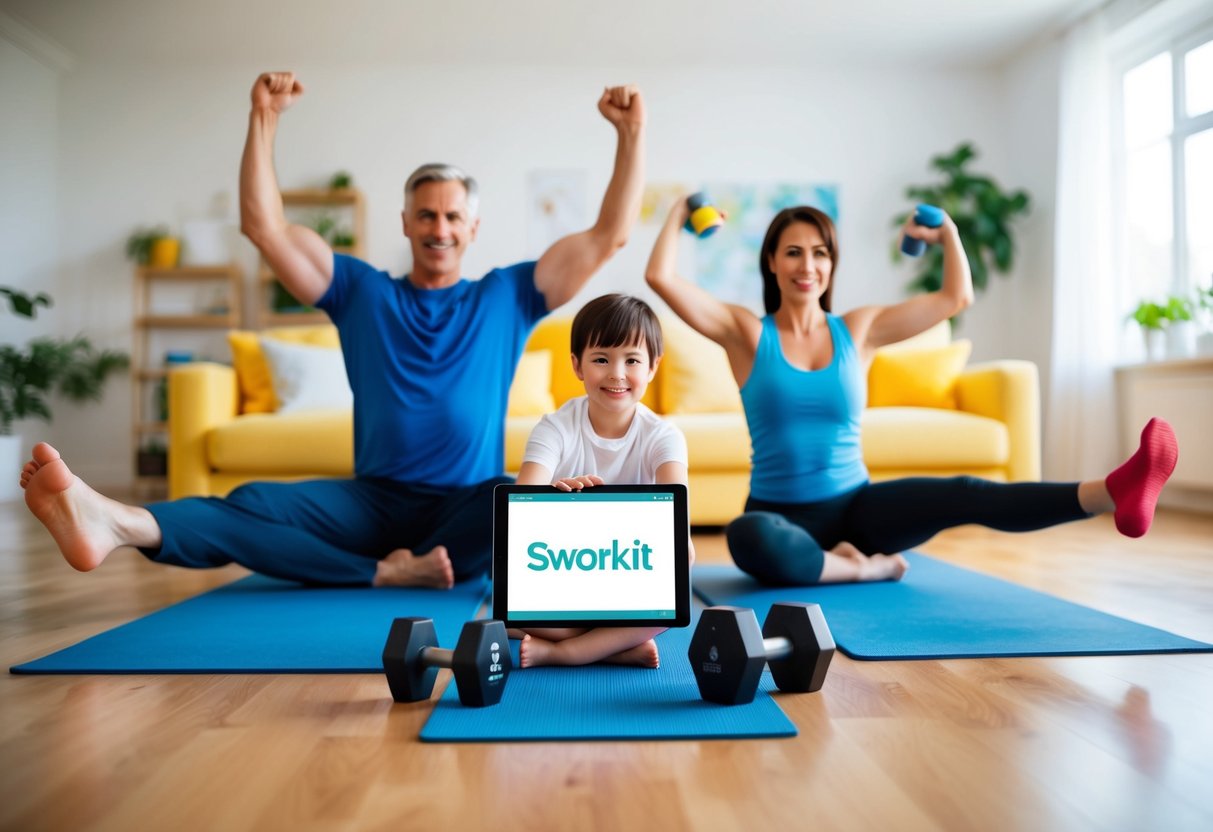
column 438, row 172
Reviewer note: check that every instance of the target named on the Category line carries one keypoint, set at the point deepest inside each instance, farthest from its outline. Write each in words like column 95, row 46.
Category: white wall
column 29, row 236
column 145, row 144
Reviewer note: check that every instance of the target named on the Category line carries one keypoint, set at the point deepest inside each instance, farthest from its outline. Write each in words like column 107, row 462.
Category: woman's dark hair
column 771, row 298
column 616, row 321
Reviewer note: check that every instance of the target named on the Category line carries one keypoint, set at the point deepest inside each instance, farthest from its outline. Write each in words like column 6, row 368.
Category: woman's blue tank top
column 804, row 424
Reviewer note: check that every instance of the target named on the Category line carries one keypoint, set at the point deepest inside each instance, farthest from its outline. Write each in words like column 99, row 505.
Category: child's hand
column 578, row 483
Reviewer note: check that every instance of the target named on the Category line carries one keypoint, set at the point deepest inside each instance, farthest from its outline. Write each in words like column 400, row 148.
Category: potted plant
column 1181, row 333
column 71, row 368
column 153, row 247
column 1151, row 317
column 1204, row 314
column 983, row 213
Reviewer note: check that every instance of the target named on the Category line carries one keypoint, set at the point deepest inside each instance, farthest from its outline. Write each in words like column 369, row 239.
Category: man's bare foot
column 86, row 525
column 403, row 568
column 845, row 563
column 535, row 651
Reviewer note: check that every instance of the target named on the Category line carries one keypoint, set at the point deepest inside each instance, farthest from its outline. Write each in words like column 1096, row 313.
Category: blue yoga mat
column 607, row 702
column 940, row 611
column 265, row 625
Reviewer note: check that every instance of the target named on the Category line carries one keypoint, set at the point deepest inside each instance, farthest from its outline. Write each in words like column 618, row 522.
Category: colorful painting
column 726, row 263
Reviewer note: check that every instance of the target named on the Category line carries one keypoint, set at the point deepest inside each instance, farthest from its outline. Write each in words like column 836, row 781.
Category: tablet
column 612, row 555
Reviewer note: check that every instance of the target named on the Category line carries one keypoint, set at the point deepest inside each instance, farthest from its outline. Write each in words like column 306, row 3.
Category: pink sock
column 1136, row 484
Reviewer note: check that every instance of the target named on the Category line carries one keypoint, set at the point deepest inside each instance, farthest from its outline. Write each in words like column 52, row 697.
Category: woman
column 812, row 515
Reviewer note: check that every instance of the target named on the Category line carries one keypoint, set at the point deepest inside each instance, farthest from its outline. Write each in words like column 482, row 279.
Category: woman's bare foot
column 535, row 651
column 86, row 525
column 844, row 563
column 403, row 568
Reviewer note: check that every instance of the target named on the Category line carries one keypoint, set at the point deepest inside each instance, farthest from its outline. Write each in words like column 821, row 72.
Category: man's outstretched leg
column 86, row 525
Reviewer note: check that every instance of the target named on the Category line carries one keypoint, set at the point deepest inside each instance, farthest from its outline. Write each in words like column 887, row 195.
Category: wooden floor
column 1032, row 744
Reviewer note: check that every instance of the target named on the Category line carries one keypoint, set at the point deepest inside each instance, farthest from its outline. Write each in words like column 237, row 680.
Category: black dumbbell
column 728, row 651
column 480, row 661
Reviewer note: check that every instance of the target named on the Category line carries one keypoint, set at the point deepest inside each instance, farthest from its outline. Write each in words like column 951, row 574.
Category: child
column 604, row 436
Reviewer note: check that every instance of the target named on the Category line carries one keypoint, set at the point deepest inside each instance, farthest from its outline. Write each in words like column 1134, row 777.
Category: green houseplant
column 983, row 214
column 154, row 247
column 72, row 368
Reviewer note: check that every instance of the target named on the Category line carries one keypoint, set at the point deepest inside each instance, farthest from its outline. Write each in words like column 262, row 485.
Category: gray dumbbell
column 728, row 651
column 480, row 661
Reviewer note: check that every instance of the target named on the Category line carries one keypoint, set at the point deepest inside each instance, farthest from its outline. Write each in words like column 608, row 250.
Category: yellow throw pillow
column 252, row 369
column 531, row 393
column 917, row 377
column 695, row 374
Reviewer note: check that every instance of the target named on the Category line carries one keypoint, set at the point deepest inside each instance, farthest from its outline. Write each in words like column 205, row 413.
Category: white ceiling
column 956, row 33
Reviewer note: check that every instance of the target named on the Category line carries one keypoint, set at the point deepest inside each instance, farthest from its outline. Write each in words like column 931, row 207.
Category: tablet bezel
column 682, row 567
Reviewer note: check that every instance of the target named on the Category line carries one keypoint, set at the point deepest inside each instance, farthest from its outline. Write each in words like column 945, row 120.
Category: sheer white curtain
column 1081, row 423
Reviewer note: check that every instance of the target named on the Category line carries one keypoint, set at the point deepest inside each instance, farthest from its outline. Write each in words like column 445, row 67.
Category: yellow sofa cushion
column 926, row 438
column 695, row 374
column 917, row 377
column 319, row 442
column 253, row 371
column 531, row 392
column 715, row 441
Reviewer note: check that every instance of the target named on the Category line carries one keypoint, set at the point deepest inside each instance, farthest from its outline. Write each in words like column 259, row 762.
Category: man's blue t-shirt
column 431, row 369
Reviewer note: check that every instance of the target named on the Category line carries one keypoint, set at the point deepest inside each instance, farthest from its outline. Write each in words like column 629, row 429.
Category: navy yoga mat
column 942, row 611
column 265, row 625
column 607, row 702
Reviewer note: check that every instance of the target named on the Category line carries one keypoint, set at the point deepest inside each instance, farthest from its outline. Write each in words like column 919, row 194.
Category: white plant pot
column 1204, row 343
column 1153, row 339
column 10, row 468
column 1181, row 339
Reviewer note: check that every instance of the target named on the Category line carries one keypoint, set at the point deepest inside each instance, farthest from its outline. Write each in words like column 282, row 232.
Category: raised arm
column 733, row 327
column 875, row 326
column 571, row 261
column 301, row 259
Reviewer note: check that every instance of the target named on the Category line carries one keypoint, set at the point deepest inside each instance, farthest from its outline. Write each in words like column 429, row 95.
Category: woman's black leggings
column 784, row 543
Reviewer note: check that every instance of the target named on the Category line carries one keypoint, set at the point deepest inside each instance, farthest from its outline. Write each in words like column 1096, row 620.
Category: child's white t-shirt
column 565, row 443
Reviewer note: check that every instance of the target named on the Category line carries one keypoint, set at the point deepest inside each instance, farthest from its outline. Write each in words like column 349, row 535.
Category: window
column 1164, row 164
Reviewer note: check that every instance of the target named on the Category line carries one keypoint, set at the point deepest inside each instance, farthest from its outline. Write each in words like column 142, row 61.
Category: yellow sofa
column 984, row 422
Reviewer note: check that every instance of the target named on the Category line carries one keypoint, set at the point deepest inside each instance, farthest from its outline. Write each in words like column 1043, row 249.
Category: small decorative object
column 341, row 180
column 151, row 460
column 982, row 212
column 154, row 247
column 1181, row 331
column 1150, row 316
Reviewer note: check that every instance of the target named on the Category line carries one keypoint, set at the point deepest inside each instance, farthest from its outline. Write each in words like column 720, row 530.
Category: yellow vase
column 164, row 253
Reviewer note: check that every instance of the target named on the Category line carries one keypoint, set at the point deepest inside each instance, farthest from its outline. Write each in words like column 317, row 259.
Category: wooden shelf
column 225, row 321
column 322, row 196
column 226, row 286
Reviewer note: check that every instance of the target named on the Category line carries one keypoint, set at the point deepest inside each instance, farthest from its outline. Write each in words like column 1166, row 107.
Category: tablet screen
column 611, row 555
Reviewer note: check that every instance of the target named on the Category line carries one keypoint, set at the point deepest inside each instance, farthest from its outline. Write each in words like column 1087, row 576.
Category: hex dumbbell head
column 726, row 655
column 481, row 663
column 408, row 677
column 804, row 625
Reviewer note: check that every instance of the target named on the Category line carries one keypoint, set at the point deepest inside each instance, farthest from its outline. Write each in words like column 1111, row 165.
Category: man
column 430, row 358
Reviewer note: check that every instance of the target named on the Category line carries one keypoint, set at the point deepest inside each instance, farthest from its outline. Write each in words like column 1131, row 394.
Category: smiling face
column 439, row 226
column 615, row 378
column 802, row 265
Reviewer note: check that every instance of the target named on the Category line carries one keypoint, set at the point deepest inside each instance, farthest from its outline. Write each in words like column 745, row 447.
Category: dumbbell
column 925, row 215
column 704, row 217
column 480, row 661
column 728, row 651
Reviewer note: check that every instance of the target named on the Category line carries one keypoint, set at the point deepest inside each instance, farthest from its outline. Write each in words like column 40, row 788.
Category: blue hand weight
column 926, row 215
column 704, row 219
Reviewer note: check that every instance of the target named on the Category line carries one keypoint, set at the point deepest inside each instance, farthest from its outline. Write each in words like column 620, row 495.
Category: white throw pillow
column 307, row 377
